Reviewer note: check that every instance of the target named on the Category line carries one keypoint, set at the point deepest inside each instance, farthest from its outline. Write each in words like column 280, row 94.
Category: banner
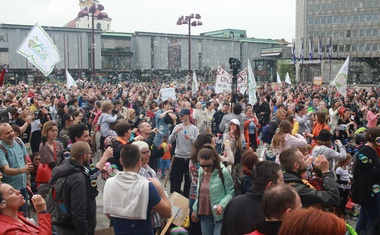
column 40, row 50
column 279, row 79
column 287, row 79
column 340, row 81
column 167, row 93
column 69, row 80
column 224, row 80
column 194, row 86
column 251, row 85
column 318, row 81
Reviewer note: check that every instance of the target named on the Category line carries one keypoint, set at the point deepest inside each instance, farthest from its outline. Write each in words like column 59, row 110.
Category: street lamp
column 188, row 20
column 94, row 8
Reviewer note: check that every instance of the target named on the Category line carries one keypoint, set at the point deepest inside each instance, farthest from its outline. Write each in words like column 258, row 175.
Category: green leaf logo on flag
column 341, row 80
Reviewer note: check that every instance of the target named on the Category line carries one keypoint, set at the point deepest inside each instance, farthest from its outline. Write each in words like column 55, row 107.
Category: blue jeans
column 368, row 214
column 209, row 226
column 165, row 164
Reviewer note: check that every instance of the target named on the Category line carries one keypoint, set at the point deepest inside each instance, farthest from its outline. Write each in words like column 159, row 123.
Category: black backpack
column 56, row 203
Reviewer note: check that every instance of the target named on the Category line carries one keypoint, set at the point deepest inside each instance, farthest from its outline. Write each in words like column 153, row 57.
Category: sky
column 274, row 19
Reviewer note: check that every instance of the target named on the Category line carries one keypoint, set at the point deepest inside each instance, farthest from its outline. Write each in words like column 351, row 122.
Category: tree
column 284, row 67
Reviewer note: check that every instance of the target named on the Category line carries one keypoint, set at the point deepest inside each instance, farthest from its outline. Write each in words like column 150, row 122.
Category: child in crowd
column 165, row 159
column 343, row 180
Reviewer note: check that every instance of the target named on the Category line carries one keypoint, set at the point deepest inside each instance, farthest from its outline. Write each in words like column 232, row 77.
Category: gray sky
column 273, row 19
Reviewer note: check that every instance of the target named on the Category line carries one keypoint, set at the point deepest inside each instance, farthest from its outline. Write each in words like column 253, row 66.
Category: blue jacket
column 220, row 194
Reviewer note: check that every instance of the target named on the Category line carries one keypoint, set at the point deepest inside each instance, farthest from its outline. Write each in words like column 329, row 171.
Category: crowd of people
column 269, row 167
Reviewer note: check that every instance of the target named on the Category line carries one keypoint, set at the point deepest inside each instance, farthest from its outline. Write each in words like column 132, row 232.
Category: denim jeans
column 368, row 214
column 165, row 164
column 209, row 226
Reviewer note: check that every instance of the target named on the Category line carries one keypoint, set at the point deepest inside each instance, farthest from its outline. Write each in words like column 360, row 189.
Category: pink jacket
column 11, row 226
column 372, row 119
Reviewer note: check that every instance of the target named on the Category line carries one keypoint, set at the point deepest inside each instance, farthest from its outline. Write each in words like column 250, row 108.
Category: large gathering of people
column 286, row 164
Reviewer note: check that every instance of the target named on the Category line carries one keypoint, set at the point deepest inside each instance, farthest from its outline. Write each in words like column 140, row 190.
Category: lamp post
column 94, row 8
column 190, row 22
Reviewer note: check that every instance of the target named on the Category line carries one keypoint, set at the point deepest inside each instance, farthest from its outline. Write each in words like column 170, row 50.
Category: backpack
column 265, row 134
column 6, row 151
column 56, row 203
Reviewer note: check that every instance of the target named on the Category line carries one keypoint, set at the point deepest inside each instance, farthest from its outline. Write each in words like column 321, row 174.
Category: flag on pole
column 287, row 79
column 70, row 80
column 40, row 50
column 2, row 75
column 330, row 49
column 310, row 49
column 320, row 49
column 294, row 52
column 340, row 81
column 301, row 55
column 194, row 86
column 278, row 79
column 251, row 85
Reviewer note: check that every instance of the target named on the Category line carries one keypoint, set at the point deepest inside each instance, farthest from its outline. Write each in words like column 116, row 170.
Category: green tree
column 284, row 67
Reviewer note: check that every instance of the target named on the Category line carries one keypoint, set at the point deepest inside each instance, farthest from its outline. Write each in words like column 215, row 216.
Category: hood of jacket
column 67, row 167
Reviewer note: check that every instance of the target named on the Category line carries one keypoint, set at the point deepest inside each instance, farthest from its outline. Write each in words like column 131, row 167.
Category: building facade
column 336, row 29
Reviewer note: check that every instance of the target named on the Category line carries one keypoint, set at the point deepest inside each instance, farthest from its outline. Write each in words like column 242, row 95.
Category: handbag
column 44, row 171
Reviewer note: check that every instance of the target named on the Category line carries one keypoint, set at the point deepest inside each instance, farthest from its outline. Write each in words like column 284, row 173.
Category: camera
column 234, row 63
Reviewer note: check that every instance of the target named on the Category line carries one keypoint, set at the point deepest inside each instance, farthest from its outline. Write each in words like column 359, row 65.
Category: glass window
column 341, row 47
column 329, row 6
column 342, row 5
column 361, row 47
column 375, row 32
column 342, row 19
column 323, row 20
column 323, row 6
column 369, row 18
column 354, row 33
column 378, row 47
column 354, row 47
column 328, row 33
column 335, row 48
column 316, row 20
column 348, row 19
column 375, row 17
column 361, row 32
column 336, row 19
column 323, row 34
column 329, row 19
column 335, row 34
column 347, row 48
column 368, row 32
column 349, row 4
column 342, row 33
column 348, row 33
column 362, row 18
column 310, row 19
column 374, row 47
column 355, row 18
column 336, row 5
column 310, row 7
column 368, row 47
column 316, row 7
column 376, row 3
column 370, row 3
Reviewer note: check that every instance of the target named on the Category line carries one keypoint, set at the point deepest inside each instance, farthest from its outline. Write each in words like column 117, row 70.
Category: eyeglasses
column 206, row 166
column 146, row 152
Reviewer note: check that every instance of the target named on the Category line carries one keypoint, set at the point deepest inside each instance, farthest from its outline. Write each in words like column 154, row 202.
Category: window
column 348, row 33
column 341, row 47
column 347, row 48
column 354, row 47
column 361, row 32
column 362, row 19
column 368, row 47
column 370, row 3
column 361, row 47
column 317, row 7
column 342, row 19
column 374, row 47
column 329, row 19
column 335, row 48
column 328, row 34
column 375, row 32
column 336, row 5
column 323, row 34
column 342, row 33
column 342, row 5
column 375, row 18
column 354, row 33
column 329, row 6
column 310, row 19
column 355, row 19
column 369, row 18
column 368, row 32
column 336, row 20
column 316, row 20
column 323, row 6
column 98, row 26
column 376, row 3
column 323, row 20
column 349, row 5
column 335, row 34
column 348, row 19
column 310, row 7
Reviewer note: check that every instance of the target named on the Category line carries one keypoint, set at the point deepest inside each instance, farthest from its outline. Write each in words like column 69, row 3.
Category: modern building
column 337, row 29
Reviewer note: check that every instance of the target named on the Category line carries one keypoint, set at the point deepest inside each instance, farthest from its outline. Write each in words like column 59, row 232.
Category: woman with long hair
column 372, row 116
column 248, row 160
column 62, row 109
column 283, row 139
column 13, row 223
column 66, row 122
column 214, row 190
column 50, row 148
column 319, row 124
column 251, row 129
column 366, row 172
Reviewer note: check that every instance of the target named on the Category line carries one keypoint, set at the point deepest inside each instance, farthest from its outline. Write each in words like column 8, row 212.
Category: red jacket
column 11, row 226
column 246, row 132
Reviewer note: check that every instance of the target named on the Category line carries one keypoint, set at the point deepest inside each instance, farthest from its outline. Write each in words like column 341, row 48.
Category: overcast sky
column 273, row 19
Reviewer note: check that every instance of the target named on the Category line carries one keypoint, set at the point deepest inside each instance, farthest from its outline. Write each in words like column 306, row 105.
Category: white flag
column 287, row 79
column 251, row 85
column 40, row 50
column 340, row 81
column 278, row 79
column 194, row 85
column 69, row 80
